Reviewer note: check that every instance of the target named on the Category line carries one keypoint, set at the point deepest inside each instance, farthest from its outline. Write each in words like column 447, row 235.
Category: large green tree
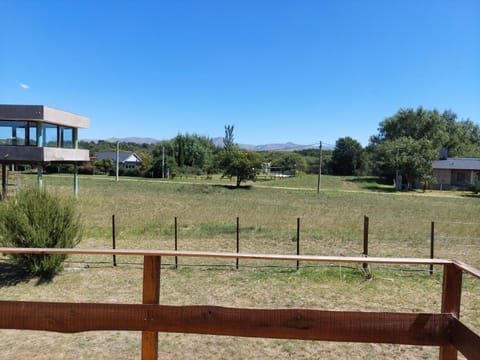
column 411, row 159
column 286, row 161
column 185, row 153
column 243, row 164
column 416, row 124
column 409, row 141
column 348, row 157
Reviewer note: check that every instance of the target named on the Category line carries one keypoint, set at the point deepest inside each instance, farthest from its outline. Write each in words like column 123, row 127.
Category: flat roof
column 42, row 113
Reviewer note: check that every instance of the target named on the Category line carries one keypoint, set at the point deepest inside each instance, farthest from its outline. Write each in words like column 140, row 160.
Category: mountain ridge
column 218, row 141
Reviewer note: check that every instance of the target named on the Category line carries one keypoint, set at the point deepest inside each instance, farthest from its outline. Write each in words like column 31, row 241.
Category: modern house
column 38, row 135
column 128, row 160
column 455, row 173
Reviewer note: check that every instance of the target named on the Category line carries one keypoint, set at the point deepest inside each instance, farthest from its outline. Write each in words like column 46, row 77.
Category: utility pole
column 118, row 160
column 397, row 186
column 319, row 168
column 163, row 161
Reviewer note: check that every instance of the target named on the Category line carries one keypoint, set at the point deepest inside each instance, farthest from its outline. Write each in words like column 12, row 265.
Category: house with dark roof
column 127, row 160
column 455, row 173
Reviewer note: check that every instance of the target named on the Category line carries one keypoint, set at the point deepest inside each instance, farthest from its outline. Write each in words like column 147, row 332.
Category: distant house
column 455, row 173
column 128, row 160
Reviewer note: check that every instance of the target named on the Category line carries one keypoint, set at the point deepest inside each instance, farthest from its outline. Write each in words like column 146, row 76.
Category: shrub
column 37, row 219
column 475, row 187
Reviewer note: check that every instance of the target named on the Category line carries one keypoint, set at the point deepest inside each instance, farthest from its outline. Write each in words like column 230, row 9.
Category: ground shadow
column 233, row 187
column 474, row 196
column 11, row 274
column 372, row 184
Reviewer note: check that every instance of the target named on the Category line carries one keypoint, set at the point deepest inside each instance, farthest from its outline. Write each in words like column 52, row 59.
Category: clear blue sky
column 299, row 71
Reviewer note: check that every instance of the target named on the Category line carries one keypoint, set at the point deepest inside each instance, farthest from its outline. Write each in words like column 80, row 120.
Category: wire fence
column 438, row 240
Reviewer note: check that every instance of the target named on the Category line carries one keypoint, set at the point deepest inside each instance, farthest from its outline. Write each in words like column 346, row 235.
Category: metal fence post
column 113, row 240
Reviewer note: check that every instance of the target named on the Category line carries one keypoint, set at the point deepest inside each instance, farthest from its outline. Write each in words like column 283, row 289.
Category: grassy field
column 206, row 210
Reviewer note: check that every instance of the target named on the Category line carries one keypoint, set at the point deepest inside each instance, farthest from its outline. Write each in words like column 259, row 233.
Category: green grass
column 331, row 224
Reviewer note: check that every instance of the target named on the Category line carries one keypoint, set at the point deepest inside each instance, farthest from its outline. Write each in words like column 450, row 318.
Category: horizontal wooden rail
column 229, row 255
column 464, row 339
column 442, row 329
column 307, row 324
column 466, row 268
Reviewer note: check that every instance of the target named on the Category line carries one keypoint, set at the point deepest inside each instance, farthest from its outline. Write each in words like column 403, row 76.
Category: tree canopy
column 348, row 157
column 409, row 142
column 243, row 164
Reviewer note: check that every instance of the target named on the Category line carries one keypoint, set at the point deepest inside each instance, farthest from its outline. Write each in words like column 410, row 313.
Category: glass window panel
column 5, row 133
column 32, row 134
column 50, row 136
column 67, row 137
column 19, row 138
column 13, row 132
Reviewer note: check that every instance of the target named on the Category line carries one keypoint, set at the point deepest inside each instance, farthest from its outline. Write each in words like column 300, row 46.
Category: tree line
column 405, row 147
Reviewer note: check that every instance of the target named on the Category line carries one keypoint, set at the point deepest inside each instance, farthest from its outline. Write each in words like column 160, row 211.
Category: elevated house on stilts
column 39, row 135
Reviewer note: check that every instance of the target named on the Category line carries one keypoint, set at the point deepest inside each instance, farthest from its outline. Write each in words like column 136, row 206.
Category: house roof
column 458, row 164
column 122, row 156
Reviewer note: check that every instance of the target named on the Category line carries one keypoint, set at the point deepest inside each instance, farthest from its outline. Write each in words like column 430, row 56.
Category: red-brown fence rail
column 443, row 329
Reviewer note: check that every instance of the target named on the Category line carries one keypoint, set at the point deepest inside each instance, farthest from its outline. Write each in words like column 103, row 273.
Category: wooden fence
column 443, row 329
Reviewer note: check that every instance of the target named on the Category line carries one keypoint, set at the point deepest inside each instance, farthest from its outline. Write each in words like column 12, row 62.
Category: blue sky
column 300, row 71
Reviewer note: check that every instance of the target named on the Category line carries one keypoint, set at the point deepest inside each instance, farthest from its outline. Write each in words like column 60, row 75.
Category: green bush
column 37, row 219
column 475, row 187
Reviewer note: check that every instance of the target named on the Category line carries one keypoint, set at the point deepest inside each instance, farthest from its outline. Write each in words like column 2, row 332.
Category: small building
column 38, row 135
column 127, row 160
column 455, row 173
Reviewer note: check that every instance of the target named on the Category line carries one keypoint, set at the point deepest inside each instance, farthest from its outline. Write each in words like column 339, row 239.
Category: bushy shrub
column 37, row 219
column 475, row 187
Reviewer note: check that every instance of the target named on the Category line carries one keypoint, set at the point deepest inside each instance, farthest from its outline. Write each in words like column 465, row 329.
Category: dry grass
column 331, row 224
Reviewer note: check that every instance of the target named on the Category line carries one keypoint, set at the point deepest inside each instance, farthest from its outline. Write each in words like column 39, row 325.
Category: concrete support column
column 40, row 177
column 4, row 181
column 75, row 181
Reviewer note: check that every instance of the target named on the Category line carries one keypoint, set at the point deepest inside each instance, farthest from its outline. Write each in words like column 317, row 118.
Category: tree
column 409, row 141
column 415, row 124
column 464, row 137
column 348, row 157
column 228, row 143
column 286, row 162
column 186, row 153
column 104, row 165
column 244, row 165
column 410, row 159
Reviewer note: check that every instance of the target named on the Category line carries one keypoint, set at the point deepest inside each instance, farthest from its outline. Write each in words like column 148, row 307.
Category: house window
column 50, row 135
column 66, row 134
column 13, row 132
column 32, row 133
column 459, row 178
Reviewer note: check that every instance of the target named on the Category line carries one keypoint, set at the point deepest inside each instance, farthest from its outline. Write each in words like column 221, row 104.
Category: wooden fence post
column 432, row 244
column 113, row 240
column 151, row 295
column 365, row 239
column 451, row 296
column 176, row 242
column 238, row 241
column 298, row 241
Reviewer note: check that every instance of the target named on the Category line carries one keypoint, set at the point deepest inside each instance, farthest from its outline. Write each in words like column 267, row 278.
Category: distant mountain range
column 289, row 146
